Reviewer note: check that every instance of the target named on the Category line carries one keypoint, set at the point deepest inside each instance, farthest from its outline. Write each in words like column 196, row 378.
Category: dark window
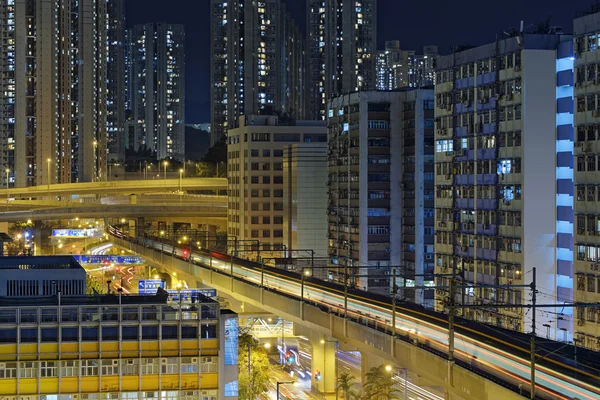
column 129, row 332
column 110, row 333
column 189, row 332
column 169, row 332
column 49, row 335
column 209, row 331
column 149, row 332
column 69, row 334
column 89, row 334
column 29, row 335
column 8, row 335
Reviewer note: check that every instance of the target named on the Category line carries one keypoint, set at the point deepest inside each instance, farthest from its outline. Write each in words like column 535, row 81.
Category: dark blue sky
column 414, row 23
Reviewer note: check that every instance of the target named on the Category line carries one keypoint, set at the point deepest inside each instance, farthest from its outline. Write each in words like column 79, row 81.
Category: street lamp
column 389, row 368
column 180, row 178
column 95, row 143
column 165, row 163
column 285, row 383
column 49, row 161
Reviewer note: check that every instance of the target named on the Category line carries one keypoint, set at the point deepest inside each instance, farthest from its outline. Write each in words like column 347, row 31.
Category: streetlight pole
column 95, row 159
column 165, row 163
column 180, row 183
column 283, row 383
column 49, row 161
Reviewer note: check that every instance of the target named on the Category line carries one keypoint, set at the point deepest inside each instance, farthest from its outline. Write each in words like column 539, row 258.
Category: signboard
column 149, row 286
column 188, row 294
column 85, row 259
column 73, row 233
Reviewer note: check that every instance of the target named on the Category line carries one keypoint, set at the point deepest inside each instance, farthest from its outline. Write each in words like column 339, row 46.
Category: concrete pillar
column 133, row 199
column 324, row 362
column 368, row 361
column 140, row 225
column 212, row 229
column 37, row 240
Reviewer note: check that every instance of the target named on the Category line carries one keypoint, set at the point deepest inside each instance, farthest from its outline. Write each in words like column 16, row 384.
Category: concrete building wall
column 305, row 198
column 255, row 174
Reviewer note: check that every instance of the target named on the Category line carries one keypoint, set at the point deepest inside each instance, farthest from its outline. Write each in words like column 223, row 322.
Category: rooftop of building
column 277, row 120
column 160, row 298
column 39, row 262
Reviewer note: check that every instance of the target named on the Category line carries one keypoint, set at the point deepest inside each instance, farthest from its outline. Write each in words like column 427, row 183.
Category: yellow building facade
column 111, row 351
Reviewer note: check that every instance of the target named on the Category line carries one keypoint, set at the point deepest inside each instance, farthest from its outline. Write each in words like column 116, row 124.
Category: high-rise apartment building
column 503, row 177
column 381, row 188
column 341, row 50
column 257, row 62
column 255, row 174
column 156, row 88
column 54, row 84
column 585, row 267
column 397, row 68
column 116, row 80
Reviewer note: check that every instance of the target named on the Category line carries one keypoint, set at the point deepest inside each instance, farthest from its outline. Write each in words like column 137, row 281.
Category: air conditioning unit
column 466, row 103
column 441, row 224
column 129, row 362
column 449, row 107
column 596, row 113
column 194, row 360
column 517, row 68
column 587, row 148
column 579, row 145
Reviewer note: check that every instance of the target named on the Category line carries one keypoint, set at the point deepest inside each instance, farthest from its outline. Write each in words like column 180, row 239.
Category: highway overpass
column 486, row 367
column 117, row 187
column 210, row 213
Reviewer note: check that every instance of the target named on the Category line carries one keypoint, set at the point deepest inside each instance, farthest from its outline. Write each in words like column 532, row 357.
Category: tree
column 92, row 286
column 205, row 170
column 252, row 386
column 380, row 385
column 345, row 382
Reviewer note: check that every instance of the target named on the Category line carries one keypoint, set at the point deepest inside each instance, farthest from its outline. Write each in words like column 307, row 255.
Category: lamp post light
column 389, row 369
column 95, row 143
column 49, row 161
column 165, row 163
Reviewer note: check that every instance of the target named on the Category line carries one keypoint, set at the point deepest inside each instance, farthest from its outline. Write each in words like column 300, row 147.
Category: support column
column 37, row 233
column 140, row 224
column 324, row 363
column 368, row 361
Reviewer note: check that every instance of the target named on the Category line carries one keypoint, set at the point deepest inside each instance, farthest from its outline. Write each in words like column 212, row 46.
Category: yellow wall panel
column 209, row 344
column 110, row 346
column 129, row 346
column 8, row 352
column 150, row 382
column 150, row 345
column 69, row 385
column 110, row 383
column 8, row 386
column 28, row 351
column 49, row 385
column 130, row 383
column 189, row 344
column 28, row 386
column 209, row 381
column 49, row 351
column 89, row 384
column 170, row 381
column 69, row 350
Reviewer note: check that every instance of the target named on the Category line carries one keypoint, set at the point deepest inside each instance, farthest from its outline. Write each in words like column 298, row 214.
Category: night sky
column 414, row 23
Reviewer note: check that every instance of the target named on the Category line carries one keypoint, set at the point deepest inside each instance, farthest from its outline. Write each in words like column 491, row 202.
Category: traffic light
column 289, row 357
column 317, row 375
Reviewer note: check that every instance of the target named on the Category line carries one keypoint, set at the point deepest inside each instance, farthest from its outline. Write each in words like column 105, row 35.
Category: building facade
column 381, row 188
column 257, row 62
column 116, row 81
column 397, row 68
column 503, row 185
column 305, row 201
column 54, row 74
column 255, row 175
column 134, row 347
column 341, row 51
column 587, row 181
column 32, row 277
column 156, row 88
